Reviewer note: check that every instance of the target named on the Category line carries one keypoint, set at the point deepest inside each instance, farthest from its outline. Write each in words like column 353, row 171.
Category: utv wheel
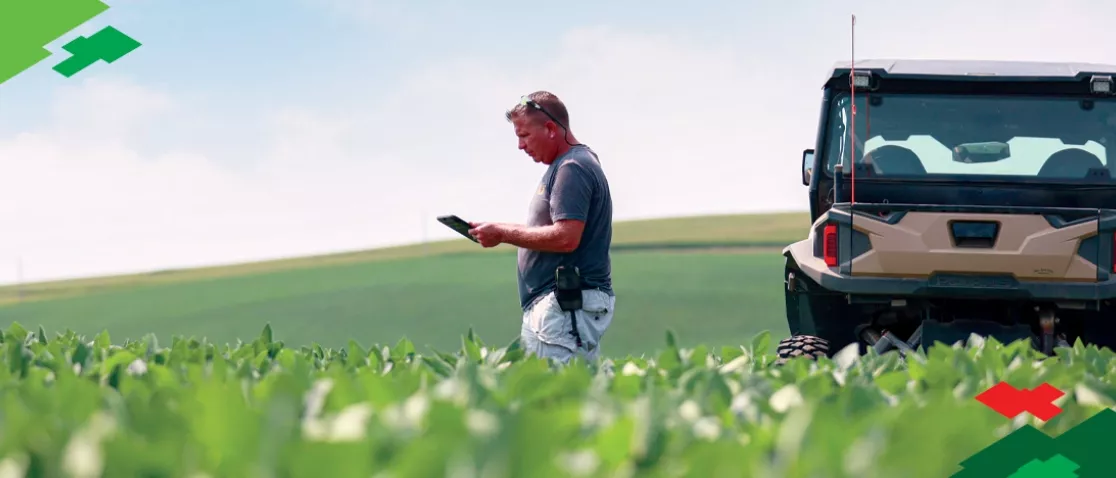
column 801, row 346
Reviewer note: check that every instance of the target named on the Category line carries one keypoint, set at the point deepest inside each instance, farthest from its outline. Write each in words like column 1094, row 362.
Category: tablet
column 460, row 225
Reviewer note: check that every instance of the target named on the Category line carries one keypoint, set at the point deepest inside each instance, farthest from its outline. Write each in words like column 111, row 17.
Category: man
column 569, row 223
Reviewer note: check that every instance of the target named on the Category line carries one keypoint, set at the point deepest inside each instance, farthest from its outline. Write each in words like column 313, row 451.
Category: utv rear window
column 908, row 135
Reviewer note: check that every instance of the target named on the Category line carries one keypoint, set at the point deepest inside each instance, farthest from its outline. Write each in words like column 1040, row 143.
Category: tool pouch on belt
column 568, row 290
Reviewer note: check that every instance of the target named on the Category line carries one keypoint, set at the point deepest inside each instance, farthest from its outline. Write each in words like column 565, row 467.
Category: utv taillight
column 829, row 245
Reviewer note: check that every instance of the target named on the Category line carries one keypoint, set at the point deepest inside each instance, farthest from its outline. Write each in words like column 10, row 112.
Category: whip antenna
column 852, row 127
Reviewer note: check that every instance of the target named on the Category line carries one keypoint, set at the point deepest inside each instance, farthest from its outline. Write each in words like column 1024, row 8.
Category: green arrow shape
column 1057, row 466
column 108, row 45
column 27, row 26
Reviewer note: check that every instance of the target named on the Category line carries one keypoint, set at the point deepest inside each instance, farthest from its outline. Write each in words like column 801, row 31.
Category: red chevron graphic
column 1010, row 401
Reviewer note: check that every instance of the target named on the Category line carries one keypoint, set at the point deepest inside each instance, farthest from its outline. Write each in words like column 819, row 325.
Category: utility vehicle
column 957, row 197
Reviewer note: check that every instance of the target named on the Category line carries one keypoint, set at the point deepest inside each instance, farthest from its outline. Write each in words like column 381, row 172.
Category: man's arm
column 562, row 236
column 569, row 209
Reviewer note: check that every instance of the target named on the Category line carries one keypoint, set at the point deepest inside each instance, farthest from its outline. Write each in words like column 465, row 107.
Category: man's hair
column 549, row 101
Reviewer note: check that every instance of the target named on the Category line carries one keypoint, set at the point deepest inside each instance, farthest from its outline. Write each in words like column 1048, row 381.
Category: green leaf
column 16, row 333
column 892, row 382
column 357, row 355
column 18, row 355
column 729, row 354
column 265, row 334
column 761, row 344
column 513, row 352
column 439, row 366
column 403, row 350
column 470, row 348
column 102, row 342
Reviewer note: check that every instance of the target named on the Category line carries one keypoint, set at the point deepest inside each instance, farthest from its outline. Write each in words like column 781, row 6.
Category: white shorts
column 547, row 331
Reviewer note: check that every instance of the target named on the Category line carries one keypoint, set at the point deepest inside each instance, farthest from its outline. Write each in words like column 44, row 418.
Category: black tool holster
column 568, row 292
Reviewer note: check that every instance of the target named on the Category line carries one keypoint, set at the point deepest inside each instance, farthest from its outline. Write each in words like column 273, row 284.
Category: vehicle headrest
column 892, row 159
column 1069, row 163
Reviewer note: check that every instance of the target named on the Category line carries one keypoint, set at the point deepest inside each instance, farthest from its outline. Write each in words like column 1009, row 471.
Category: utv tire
column 801, row 346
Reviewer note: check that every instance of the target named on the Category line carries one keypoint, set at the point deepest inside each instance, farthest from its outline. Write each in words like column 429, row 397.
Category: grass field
column 432, row 293
column 234, row 402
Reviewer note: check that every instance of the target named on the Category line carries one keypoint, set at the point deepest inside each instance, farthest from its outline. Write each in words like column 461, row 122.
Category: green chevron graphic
column 26, row 26
column 108, row 45
column 1057, row 466
column 1084, row 451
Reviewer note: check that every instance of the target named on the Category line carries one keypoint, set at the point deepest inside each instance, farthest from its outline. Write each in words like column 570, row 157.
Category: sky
column 253, row 130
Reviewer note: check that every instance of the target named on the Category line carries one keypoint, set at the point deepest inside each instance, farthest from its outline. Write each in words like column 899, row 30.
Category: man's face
column 534, row 138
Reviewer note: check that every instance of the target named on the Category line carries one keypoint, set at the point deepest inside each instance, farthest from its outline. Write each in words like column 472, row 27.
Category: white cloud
column 110, row 110
column 133, row 178
column 680, row 127
column 675, row 124
column 82, row 201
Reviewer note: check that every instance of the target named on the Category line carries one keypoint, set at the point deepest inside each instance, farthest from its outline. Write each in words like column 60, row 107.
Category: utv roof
column 975, row 70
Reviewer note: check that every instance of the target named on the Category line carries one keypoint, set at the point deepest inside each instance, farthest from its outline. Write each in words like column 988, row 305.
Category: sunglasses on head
column 528, row 102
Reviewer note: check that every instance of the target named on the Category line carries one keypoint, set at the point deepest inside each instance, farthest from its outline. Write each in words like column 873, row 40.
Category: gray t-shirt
column 573, row 187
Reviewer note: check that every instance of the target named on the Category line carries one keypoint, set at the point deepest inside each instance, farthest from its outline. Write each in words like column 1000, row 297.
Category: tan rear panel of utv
column 1028, row 247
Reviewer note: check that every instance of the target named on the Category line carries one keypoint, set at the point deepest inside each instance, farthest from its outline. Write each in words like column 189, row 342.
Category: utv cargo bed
column 934, row 251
